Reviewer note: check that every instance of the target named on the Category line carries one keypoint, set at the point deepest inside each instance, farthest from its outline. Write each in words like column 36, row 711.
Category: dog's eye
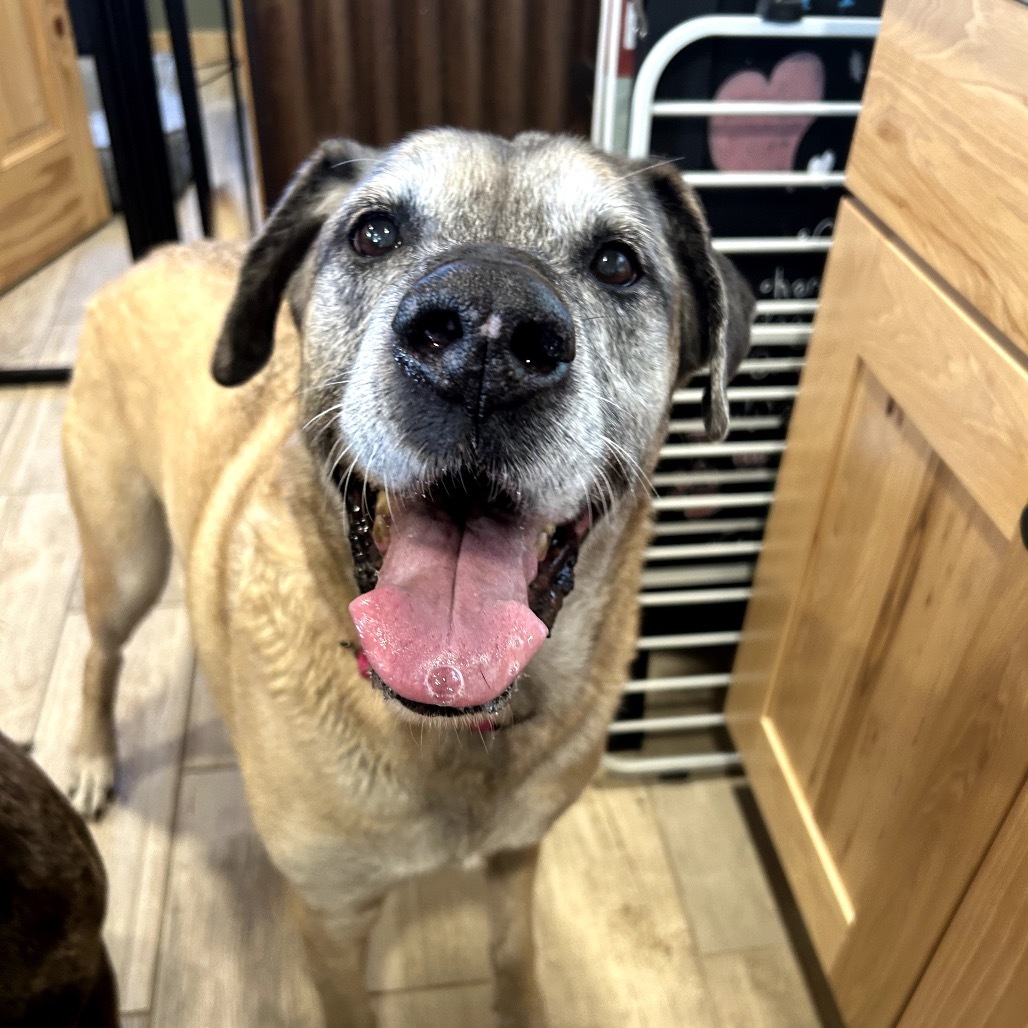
column 375, row 235
column 615, row 264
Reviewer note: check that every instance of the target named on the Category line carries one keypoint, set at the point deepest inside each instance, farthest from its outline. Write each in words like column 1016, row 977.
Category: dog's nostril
column 540, row 347
column 436, row 329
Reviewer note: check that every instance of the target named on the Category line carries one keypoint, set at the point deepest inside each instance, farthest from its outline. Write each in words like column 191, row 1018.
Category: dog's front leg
column 510, row 880
column 337, row 953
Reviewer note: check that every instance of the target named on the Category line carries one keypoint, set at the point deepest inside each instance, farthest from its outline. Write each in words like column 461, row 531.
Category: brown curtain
column 377, row 69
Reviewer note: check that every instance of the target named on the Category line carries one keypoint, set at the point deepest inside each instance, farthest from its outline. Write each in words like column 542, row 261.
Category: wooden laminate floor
column 653, row 908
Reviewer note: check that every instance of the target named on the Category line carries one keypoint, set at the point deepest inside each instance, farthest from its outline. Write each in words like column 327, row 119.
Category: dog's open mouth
column 458, row 592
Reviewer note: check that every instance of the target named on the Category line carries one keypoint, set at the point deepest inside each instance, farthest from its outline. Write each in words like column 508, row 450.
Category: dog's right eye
column 375, row 235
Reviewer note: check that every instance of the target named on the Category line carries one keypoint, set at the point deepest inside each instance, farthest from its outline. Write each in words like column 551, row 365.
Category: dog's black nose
column 485, row 330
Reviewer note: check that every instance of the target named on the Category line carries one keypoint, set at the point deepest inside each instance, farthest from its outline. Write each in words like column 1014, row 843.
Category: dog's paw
column 92, row 785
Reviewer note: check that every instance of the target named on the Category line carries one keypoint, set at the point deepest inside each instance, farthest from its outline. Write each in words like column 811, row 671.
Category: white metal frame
column 689, row 584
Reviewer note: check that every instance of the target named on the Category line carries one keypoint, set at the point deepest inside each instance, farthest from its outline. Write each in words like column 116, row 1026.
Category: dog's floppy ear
column 247, row 335
column 716, row 335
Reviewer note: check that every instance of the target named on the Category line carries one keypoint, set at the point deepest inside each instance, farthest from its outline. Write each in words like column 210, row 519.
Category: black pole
column 178, row 27
column 124, row 69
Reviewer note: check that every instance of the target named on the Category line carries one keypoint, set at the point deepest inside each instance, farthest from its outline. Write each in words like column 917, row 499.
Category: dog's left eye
column 375, row 235
column 616, row 264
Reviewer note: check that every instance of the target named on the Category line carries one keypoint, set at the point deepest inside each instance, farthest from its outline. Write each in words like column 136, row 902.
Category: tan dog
column 490, row 335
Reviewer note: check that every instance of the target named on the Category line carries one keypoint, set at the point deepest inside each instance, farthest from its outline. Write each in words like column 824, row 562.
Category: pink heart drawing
column 765, row 143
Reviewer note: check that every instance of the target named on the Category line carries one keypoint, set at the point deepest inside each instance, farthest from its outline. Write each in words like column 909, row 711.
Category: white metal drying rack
column 673, row 578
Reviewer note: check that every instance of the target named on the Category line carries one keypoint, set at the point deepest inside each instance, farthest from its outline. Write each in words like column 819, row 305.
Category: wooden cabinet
column 880, row 693
column 51, row 189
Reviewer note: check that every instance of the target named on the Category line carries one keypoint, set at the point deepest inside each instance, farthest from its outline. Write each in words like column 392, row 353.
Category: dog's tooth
column 382, row 527
column 542, row 544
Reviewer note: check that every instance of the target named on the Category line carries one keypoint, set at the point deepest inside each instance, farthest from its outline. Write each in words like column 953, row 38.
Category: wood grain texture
column 30, row 453
column 95, row 261
column 723, row 888
column 832, row 625
column 759, row 988
column 614, row 944
column 207, row 739
column 978, row 977
column 39, row 553
column 447, row 1007
column 51, row 189
column 818, row 419
column 881, row 688
column 134, row 835
column 432, row 931
column 967, row 394
column 941, row 145
column 27, row 312
column 956, row 760
column 226, row 910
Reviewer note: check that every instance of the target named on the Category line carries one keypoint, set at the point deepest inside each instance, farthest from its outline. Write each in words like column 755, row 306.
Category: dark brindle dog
column 54, row 969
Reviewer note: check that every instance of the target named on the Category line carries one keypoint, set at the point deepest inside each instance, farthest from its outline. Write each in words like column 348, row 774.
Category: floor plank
column 614, row 945
column 27, row 312
column 432, row 931
column 10, row 398
column 135, row 1021
column 94, row 262
column 134, row 836
column 455, row 1006
column 225, row 911
column 759, row 988
column 38, row 557
column 726, row 894
column 30, row 454
column 207, row 740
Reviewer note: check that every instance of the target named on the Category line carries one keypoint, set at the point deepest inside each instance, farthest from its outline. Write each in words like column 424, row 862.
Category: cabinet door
column 51, row 189
column 880, row 694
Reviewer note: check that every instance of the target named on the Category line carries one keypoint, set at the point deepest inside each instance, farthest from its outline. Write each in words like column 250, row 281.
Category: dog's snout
column 485, row 332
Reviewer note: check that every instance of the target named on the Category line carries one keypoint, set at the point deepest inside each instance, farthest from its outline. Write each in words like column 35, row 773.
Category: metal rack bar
column 740, row 393
column 766, row 365
column 764, row 179
column 721, row 449
column 737, row 26
column 681, row 723
column 696, row 574
column 772, row 308
column 712, row 500
column 755, row 108
column 692, row 597
column 740, row 424
column 764, row 334
column 688, row 551
column 674, row 683
column 665, row 479
column 772, row 244
column 689, row 640
column 707, row 526
column 669, row 765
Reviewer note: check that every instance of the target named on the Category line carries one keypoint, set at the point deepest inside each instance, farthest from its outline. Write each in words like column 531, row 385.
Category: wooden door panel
column 880, row 696
column 51, row 189
column 983, row 986
column 839, row 611
column 939, row 146
column 29, row 106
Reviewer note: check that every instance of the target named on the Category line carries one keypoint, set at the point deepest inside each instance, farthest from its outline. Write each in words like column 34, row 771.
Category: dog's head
column 492, row 331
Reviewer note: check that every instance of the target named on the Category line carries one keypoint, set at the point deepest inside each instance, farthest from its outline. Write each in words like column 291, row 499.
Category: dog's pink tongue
column 448, row 623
